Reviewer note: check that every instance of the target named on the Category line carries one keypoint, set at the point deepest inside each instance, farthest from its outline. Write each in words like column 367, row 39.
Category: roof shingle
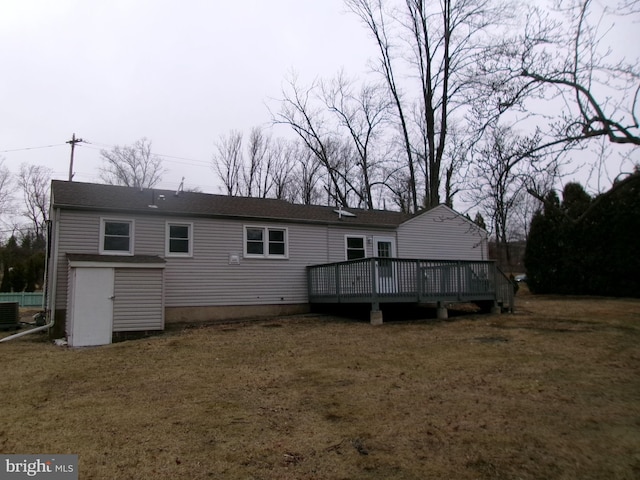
column 90, row 196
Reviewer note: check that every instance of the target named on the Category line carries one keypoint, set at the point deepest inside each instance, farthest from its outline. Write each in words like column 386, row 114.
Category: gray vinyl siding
column 77, row 233
column 210, row 279
column 441, row 234
column 138, row 303
column 207, row 278
column 336, row 240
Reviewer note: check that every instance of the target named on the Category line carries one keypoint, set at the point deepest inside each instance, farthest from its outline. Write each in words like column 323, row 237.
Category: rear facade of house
column 123, row 259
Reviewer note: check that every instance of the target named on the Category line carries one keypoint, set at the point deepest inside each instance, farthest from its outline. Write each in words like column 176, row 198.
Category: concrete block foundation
column 375, row 317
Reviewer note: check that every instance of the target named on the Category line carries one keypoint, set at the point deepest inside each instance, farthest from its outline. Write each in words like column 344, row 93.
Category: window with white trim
column 179, row 239
column 355, row 247
column 116, row 237
column 265, row 242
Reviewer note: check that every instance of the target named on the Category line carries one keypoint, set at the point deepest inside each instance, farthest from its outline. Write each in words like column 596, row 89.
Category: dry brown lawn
column 551, row 392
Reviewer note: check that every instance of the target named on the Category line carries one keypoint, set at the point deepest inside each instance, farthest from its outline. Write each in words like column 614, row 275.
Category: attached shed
column 108, row 294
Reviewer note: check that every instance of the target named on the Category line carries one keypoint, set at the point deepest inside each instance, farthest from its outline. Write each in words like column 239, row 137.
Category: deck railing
column 374, row 280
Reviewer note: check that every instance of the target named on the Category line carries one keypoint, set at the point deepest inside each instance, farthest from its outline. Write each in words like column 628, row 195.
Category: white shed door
column 92, row 304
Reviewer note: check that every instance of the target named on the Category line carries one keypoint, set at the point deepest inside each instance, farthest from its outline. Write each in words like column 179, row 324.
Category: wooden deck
column 396, row 280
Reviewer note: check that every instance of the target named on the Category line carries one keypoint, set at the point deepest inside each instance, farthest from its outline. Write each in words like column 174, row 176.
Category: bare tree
column 6, row 196
column 270, row 167
column 259, row 173
column 299, row 109
column 523, row 212
column 400, row 185
column 6, row 190
column 499, row 179
column 131, row 165
column 458, row 161
column 441, row 41
column 228, row 161
column 362, row 113
column 256, row 148
column 560, row 76
column 342, row 122
column 307, row 176
column 34, row 181
column 372, row 14
column 284, row 177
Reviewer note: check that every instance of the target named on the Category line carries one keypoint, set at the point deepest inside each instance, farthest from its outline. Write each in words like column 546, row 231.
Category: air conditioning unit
column 9, row 315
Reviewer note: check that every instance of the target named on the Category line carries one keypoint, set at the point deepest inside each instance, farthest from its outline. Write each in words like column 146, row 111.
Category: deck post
column 441, row 312
column 419, row 280
column 375, row 316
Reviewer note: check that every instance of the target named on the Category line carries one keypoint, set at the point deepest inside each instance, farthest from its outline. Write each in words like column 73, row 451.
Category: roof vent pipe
column 180, row 187
column 153, row 199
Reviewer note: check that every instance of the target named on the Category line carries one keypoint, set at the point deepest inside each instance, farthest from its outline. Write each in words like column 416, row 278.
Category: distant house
column 124, row 259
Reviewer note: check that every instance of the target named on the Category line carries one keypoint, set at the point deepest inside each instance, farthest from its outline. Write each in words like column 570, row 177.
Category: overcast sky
column 180, row 73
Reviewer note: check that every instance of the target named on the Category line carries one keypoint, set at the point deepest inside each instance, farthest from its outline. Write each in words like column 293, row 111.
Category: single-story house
column 125, row 259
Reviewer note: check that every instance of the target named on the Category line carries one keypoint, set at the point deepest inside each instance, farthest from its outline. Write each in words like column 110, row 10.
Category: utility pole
column 73, row 142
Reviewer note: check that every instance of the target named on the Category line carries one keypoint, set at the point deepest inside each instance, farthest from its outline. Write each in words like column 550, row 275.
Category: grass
column 552, row 392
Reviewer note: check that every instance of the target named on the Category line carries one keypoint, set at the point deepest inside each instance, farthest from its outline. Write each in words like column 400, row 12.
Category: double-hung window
column 179, row 239
column 265, row 242
column 116, row 237
column 355, row 247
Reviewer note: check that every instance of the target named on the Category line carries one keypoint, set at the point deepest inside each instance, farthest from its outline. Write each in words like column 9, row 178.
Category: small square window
column 276, row 242
column 116, row 237
column 355, row 248
column 255, row 244
column 179, row 239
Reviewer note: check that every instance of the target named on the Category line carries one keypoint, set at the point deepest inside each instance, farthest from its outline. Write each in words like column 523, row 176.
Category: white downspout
column 27, row 332
column 52, row 293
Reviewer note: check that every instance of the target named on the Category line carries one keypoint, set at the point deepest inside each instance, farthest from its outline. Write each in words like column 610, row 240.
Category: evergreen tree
column 545, row 246
column 575, row 201
column 609, row 235
column 587, row 246
column 574, row 262
column 479, row 221
column 5, row 285
column 22, row 264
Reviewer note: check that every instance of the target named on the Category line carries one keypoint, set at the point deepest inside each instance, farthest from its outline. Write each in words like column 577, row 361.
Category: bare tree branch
column 559, row 72
column 437, row 44
column 34, row 181
column 131, row 165
column 228, row 161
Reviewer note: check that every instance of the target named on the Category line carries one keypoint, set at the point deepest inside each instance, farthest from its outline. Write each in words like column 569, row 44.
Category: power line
column 173, row 159
column 100, row 146
column 31, row 148
column 197, row 163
